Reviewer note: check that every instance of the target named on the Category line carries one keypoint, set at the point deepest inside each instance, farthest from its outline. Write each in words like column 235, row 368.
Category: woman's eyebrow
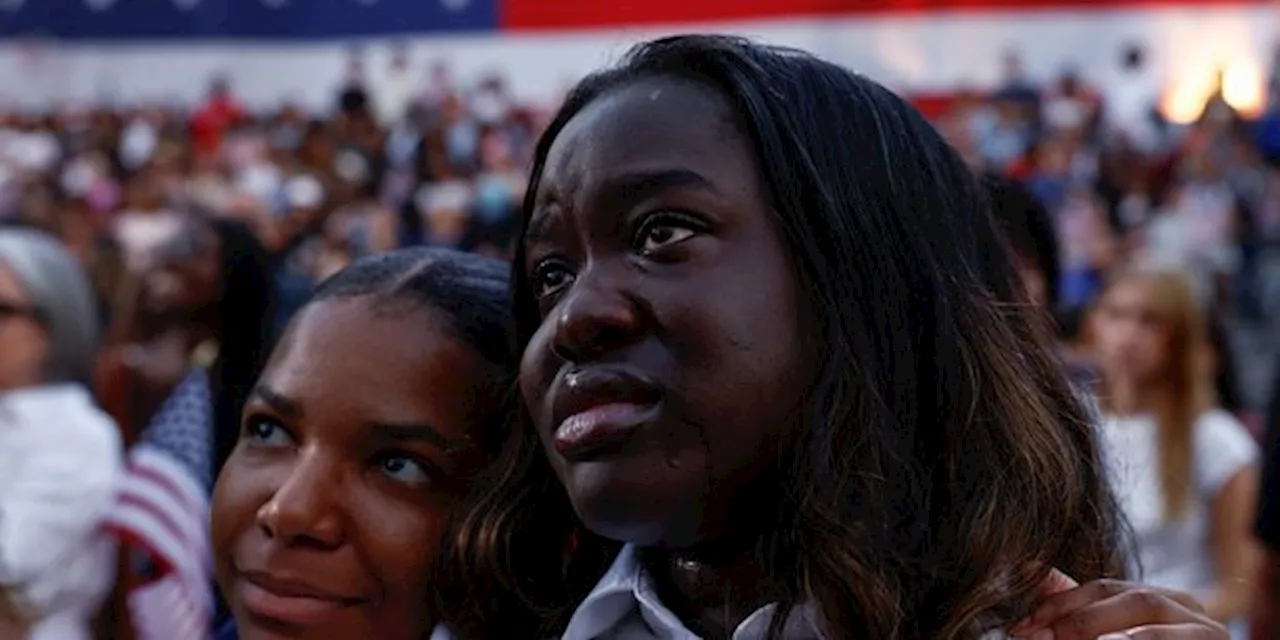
column 623, row 190
column 280, row 403
column 417, row 431
column 627, row 188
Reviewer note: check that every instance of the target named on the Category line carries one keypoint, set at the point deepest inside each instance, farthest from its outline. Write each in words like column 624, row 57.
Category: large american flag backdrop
column 276, row 49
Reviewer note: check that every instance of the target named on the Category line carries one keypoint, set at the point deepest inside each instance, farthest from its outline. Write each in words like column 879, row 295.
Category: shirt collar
column 625, row 600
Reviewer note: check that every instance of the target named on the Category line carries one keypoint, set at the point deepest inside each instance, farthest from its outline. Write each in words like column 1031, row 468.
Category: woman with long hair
column 1186, row 471
column 773, row 382
column 188, row 340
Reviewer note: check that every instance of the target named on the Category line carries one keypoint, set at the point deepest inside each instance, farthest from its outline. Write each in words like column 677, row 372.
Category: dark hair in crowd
column 943, row 464
column 243, row 315
column 470, row 290
column 1027, row 225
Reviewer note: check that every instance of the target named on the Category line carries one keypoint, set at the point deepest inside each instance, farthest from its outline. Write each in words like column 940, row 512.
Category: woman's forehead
column 653, row 123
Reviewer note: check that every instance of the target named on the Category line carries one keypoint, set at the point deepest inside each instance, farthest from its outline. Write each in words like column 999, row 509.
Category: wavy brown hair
column 942, row 464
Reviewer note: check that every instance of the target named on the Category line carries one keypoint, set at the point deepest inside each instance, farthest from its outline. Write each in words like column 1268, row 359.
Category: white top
column 1174, row 555
column 141, row 234
column 624, row 606
column 61, row 461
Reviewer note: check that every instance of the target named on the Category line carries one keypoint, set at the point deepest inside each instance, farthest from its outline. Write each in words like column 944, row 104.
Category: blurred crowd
column 1122, row 182
column 399, row 161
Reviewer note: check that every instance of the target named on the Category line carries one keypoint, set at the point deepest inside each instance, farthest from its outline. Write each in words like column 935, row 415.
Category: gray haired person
column 61, row 458
column 55, row 300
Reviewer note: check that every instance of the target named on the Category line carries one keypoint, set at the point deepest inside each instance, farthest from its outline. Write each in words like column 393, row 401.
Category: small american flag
column 162, row 513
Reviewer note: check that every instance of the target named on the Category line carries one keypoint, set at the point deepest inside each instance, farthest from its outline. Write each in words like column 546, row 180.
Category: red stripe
column 569, row 14
column 131, row 538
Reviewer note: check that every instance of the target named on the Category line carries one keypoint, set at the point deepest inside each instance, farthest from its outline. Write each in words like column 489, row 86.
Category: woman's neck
column 712, row 589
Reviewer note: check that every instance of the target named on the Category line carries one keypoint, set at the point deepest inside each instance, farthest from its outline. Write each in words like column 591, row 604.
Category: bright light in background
column 1243, row 87
column 1185, row 98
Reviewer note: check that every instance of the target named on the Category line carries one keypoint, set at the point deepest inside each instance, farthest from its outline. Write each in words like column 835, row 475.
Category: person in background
column 209, row 303
column 220, row 112
column 1029, row 229
column 1186, row 472
column 397, row 86
column 354, row 100
column 387, row 394
column 1130, row 105
column 1266, row 617
column 186, row 349
column 61, row 457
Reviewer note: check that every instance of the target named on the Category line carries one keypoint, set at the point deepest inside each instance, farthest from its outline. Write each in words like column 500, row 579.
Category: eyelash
column 638, row 234
column 670, row 219
column 428, row 471
column 251, row 425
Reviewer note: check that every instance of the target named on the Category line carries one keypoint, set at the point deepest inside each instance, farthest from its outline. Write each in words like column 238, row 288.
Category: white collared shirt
column 624, row 606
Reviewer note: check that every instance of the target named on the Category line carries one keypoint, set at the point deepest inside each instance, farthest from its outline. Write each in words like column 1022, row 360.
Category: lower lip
column 600, row 430
column 296, row 610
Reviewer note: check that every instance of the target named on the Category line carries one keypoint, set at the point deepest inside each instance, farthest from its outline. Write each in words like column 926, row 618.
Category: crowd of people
column 849, row 412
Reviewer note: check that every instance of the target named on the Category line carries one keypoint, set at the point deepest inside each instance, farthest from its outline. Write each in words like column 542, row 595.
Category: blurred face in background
column 188, row 275
column 1033, row 280
column 1129, row 335
column 24, row 344
column 146, row 193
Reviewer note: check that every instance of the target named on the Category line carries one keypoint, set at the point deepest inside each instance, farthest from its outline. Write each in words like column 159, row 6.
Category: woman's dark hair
column 242, row 320
column 943, row 464
column 1027, row 225
column 468, row 289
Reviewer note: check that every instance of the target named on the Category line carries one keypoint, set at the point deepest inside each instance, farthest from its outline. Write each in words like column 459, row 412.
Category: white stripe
column 161, row 613
column 167, row 614
column 156, row 460
column 190, row 525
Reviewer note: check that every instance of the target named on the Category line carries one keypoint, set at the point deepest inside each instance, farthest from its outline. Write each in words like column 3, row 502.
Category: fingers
column 1056, row 582
column 1109, row 606
column 1201, row 631
column 1147, row 600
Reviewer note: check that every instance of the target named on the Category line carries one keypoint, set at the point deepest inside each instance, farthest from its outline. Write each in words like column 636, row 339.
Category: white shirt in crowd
column 1177, row 554
column 141, row 234
column 1128, row 109
column 61, row 461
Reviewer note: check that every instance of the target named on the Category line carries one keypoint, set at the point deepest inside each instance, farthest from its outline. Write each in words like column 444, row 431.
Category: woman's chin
column 615, row 506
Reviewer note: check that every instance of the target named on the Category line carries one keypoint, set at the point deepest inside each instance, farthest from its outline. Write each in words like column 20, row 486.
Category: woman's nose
column 595, row 318
column 305, row 510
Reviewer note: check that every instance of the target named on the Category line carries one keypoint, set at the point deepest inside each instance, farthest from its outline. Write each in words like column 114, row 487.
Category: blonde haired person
column 1185, row 471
